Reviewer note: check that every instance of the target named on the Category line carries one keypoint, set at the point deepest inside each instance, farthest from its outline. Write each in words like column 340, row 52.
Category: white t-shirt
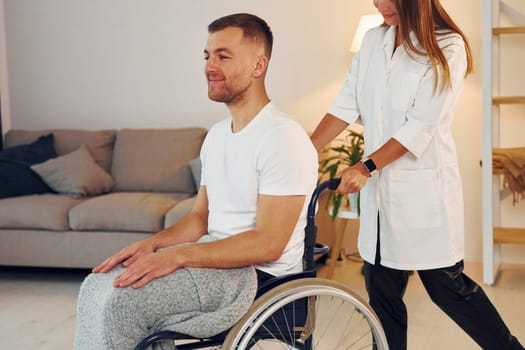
column 272, row 155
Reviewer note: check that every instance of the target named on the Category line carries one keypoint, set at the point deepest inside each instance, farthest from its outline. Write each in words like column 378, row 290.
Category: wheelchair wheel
column 309, row 314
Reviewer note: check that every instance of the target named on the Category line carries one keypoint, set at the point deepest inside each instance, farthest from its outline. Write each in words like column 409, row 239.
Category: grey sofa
column 152, row 185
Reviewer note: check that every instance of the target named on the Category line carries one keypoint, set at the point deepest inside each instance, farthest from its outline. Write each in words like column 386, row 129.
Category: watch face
column 370, row 165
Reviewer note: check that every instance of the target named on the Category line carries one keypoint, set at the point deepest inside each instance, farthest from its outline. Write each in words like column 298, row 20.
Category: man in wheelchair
column 259, row 168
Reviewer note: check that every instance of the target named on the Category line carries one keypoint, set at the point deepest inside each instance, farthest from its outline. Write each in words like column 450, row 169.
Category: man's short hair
column 251, row 25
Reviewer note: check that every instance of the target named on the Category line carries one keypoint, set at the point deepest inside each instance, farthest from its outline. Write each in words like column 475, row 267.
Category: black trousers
column 451, row 290
column 262, row 276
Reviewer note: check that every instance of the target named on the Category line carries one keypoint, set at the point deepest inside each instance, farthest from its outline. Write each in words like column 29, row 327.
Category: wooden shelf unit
column 494, row 234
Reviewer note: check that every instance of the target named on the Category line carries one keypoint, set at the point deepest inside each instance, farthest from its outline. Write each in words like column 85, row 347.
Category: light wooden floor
column 37, row 307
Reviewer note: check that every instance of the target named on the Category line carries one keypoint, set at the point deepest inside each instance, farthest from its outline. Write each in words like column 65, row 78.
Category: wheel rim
column 340, row 320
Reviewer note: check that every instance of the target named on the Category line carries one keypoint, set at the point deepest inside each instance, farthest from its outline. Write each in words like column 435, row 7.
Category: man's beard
column 226, row 95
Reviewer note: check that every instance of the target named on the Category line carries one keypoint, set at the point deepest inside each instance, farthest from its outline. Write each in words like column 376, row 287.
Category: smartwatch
column 370, row 166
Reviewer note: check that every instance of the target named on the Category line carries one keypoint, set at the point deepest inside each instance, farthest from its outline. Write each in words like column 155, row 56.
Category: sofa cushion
column 44, row 212
column 99, row 142
column 124, row 211
column 75, row 174
column 156, row 159
column 16, row 176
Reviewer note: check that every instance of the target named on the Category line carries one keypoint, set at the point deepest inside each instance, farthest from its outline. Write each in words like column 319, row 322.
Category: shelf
column 499, row 100
column 508, row 30
column 509, row 235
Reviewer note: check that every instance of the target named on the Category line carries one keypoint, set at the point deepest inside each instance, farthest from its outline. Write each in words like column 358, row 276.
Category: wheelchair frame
column 276, row 294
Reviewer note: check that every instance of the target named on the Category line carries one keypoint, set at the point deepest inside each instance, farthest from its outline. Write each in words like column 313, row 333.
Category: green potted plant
column 341, row 153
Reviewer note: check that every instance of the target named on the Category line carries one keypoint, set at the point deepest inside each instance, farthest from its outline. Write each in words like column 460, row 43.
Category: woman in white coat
column 403, row 87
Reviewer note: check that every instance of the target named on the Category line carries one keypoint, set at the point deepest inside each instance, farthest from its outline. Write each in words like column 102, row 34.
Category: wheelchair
column 295, row 311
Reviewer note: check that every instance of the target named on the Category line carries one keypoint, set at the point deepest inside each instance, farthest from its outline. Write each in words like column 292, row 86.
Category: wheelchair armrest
column 275, row 281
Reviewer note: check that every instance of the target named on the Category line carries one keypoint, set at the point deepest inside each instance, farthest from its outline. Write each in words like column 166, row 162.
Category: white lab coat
column 419, row 196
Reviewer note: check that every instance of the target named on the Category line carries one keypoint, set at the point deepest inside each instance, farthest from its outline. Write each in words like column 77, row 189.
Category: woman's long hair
column 424, row 18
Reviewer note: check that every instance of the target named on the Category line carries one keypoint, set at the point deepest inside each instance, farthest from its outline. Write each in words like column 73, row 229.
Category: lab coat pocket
column 415, row 200
column 402, row 94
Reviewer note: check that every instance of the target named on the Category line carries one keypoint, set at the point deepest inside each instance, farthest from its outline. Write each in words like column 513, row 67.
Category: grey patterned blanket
column 197, row 302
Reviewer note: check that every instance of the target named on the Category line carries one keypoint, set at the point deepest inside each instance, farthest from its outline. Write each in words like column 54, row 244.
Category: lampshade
column 365, row 23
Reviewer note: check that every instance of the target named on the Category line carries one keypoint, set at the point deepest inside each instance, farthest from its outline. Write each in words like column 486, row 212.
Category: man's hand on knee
column 149, row 267
column 126, row 256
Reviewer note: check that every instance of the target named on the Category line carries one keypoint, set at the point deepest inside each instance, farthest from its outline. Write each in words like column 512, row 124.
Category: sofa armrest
column 178, row 211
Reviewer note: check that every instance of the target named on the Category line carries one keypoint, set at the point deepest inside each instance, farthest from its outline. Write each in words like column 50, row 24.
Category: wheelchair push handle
column 331, row 184
column 311, row 247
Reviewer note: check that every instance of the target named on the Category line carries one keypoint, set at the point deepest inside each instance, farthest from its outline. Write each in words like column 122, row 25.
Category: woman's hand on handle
column 353, row 179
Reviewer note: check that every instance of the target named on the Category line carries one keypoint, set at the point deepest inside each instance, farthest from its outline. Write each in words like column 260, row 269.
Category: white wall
column 138, row 63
